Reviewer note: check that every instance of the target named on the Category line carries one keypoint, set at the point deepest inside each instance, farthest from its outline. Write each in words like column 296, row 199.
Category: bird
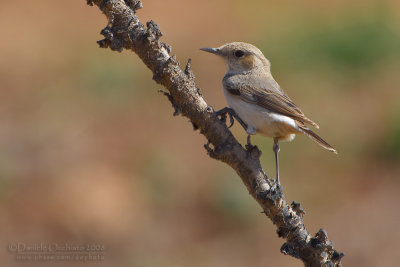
column 257, row 101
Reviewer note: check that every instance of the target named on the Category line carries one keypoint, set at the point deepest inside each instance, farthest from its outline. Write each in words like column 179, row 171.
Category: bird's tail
column 317, row 139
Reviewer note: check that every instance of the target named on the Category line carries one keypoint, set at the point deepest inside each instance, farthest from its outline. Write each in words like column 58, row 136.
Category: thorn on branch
column 153, row 29
column 134, row 4
column 177, row 111
column 188, row 71
column 296, row 206
column 321, row 245
column 107, row 32
column 105, row 43
column 287, row 249
column 109, row 40
column 337, row 256
column 322, row 235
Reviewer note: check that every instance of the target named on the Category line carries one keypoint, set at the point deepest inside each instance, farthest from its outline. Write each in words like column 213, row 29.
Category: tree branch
column 125, row 31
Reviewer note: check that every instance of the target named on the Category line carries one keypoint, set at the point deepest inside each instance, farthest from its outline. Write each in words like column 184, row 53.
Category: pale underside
column 261, row 121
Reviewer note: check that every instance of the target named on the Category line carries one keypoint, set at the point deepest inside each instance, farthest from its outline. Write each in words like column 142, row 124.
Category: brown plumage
column 272, row 100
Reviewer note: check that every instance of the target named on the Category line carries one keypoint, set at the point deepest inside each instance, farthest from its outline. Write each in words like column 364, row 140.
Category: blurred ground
column 90, row 152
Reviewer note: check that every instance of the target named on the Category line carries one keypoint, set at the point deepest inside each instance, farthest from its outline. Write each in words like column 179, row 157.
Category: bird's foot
column 277, row 185
column 232, row 114
column 222, row 116
column 249, row 145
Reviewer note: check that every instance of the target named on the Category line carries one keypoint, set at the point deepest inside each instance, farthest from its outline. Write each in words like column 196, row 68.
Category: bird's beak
column 216, row 51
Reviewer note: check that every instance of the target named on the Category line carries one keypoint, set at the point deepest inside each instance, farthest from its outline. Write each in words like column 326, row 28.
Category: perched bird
column 260, row 104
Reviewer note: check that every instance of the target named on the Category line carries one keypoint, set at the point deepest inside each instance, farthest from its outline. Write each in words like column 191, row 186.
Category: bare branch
column 125, row 31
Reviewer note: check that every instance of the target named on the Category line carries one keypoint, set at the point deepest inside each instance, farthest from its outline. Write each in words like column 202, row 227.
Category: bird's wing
column 274, row 100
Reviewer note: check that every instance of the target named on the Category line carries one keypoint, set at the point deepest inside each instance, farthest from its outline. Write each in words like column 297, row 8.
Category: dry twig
column 125, row 31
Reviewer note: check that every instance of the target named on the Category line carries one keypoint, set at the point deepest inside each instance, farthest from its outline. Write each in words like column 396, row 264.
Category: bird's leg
column 276, row 150
column 249, row 146
column 242, row 123
column 232, row 114
column 249, row 141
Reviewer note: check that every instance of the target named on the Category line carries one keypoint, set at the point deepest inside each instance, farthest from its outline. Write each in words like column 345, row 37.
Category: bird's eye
column 239, row 53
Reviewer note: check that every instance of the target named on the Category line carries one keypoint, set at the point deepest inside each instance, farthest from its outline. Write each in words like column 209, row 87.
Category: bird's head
column 241, row 57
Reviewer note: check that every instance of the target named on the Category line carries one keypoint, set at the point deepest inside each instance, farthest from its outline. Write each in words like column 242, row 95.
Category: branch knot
column 153, row 30
column 188, row 71
column 296, row 206
column 134, row 4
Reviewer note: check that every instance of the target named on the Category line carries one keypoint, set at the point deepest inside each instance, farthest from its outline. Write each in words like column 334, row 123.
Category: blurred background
column 91, row 154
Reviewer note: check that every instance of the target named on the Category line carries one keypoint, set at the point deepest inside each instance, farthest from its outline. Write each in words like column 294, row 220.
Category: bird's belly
column 262, row 121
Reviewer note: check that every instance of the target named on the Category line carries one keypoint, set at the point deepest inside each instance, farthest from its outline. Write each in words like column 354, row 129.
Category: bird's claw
column 222, row 114
column 231, row 120
column 232, row 114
